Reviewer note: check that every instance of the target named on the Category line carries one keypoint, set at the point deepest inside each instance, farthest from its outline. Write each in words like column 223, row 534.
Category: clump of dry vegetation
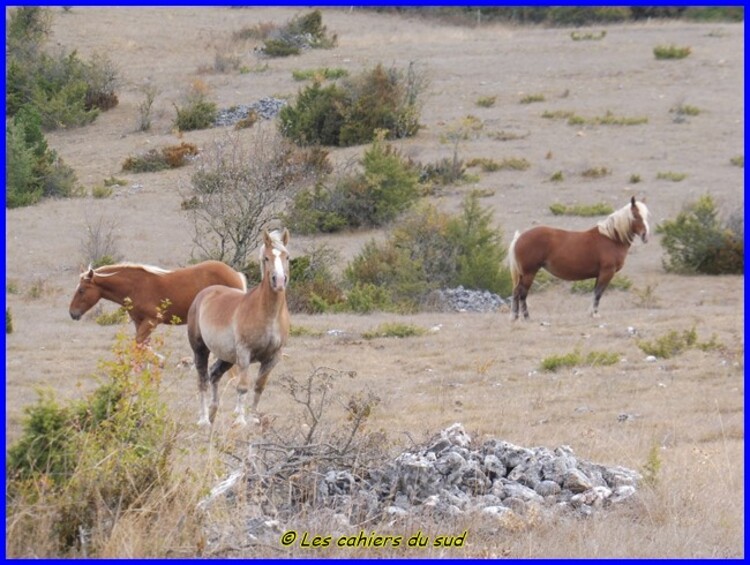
column 169, row 157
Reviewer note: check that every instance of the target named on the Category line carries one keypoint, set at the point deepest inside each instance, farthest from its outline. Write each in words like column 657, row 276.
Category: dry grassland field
column 477, row 369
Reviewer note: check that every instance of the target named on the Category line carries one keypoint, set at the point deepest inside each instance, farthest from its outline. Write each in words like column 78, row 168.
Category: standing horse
column 576, row 255
column 242, row 328
column 149, row 289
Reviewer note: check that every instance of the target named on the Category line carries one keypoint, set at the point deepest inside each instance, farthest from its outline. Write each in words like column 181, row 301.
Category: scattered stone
column 465, row 300
column 265, row 108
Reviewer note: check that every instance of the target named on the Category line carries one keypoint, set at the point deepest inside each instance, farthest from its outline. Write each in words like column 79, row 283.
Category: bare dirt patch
column 477, row 369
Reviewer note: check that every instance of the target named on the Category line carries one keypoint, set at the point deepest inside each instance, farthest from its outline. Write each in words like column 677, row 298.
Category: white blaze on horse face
column 279, row 279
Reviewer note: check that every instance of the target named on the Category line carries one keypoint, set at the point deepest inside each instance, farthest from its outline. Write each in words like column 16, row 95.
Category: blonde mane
column 108, row 270
column 616, row 226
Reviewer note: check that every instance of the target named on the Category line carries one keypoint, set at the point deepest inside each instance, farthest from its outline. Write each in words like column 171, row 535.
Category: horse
column 576, row 255
column 242, row 328
column 153, row 295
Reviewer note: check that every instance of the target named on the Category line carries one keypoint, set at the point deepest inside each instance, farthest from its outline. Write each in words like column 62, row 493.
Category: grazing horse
column 148, row 289
column 576, row 255
column 242, row 328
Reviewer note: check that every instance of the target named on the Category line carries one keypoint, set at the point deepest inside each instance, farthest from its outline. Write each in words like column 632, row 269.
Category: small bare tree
column 99, row 246
column 242, row 186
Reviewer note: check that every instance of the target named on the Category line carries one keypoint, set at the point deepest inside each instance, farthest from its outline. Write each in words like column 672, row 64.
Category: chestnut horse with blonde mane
column 242, row 328
column 576, row 255
column 153, row 295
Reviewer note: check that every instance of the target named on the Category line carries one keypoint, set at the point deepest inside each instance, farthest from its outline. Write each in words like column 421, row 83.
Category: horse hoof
column 203, row 422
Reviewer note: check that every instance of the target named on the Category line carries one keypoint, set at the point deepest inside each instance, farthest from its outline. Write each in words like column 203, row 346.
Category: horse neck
column 116, row 287
column 272, row 302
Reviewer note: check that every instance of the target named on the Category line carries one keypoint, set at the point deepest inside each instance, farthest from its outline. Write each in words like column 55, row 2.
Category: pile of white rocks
column 462, row 299
column 452, row 476
column 266, row 109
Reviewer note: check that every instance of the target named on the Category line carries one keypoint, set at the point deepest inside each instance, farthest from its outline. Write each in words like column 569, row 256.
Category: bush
column 394, row 329
column 430, row 250
column 299, row 33
column 169, row 157
column 350, row 114
column 198, row 112
column 697, row 241
column 33, row 170
column 8, row 321
column 93, row 459
column 386, row 187
column 671, row 52
column 673, row 343
column 64, row 90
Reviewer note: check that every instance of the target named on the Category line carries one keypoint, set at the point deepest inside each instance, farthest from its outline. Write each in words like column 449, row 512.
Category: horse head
column 86, row 295
column 274, row 259
column 639, row 220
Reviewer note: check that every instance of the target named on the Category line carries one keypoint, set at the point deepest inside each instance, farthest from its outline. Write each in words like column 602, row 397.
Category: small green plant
column 150, row 92
column 587, row 36
column 608, row 119
column 738, row 161
column 586, row 210
column 320, row 74
column 37, row 289
column 304, row 331
column 300, row 32
column 575, row 359
column 671, row 176
column 102, row 191
column 486, row 101
column 197, row 112
column 596, row 172
column 114, row 181
column 531, row 98
column 634, row 179
column 618, row 282
column 652, row 466
column 394, row 329
column 118, row 316
column 558, row 114
column 503, row 135
column 671, row 51
column 673, row 343
column 646, row 296
column 557, row 176
column 8, row 321
column 685, row 110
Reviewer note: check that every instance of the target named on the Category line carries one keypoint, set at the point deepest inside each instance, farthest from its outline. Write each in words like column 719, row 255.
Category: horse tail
column 243, row 278
column 515, row 269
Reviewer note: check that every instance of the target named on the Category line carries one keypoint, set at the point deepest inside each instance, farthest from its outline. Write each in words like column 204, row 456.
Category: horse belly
column 221, row 343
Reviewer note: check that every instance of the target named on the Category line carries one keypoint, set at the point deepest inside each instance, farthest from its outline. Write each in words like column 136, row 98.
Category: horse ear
column 632, row 201
column 89, row 274
column 267, row 239
column 285, row 237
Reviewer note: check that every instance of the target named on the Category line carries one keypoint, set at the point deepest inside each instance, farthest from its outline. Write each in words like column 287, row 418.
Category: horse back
column 570, row 255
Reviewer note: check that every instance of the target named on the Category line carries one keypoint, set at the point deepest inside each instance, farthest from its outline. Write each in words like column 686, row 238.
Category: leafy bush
column 169, row 157
column 93, row 459
column 574, row 359
column 63, row 90
column 33, row 170
column 301, row 32
column 394, row 329
column 698, row 241
column 386, row 187
column 431, row 250
column 198, row 112
column 351, row 113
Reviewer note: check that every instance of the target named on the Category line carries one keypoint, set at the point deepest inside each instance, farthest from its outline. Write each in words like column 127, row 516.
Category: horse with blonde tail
column 241, row 328
column 597, row 253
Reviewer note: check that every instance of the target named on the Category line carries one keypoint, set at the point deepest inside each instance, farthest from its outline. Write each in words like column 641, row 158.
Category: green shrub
column 557, row 176
column 738, row 161
column 33, row 170
column 444, row 172
column 587, row 210
column 394, row 329
column 430, row 250
column 588, row 36
column 672, row 176
column 574, row 359
column 671, row 52
column 102, row 191
column 634, row 179
column 118, row 316
column 386, row 187
column 698, row 241
column 319, row 75
column 300, row 32
column 618, row 282
column 531, row 98
column 8, row 321
column 486, row 101
column 351, row 113
column 596, row 172
column 196, row 114
column 366, row 298
column 93, row 459
column 673, row 343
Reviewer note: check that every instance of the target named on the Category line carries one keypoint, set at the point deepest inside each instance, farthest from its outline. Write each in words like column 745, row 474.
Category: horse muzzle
column 278, row 283
column 75, row 315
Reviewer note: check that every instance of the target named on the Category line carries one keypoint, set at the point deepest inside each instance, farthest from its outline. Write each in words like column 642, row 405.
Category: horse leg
column 242, row 388
column 217, row 370
column 260, row 383
column 602, row 281
column 520, row 293
column 200, row 355
column 143, row 329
